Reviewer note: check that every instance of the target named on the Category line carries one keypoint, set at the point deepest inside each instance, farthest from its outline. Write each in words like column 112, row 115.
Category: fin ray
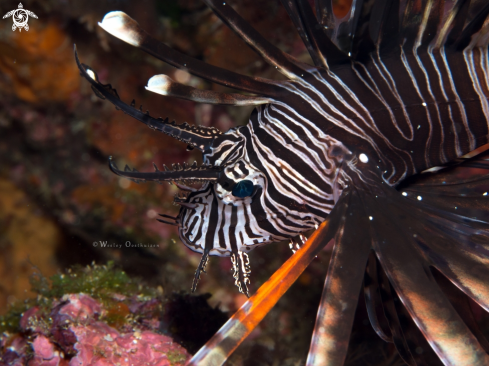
column 273, row 55
column 342, row 285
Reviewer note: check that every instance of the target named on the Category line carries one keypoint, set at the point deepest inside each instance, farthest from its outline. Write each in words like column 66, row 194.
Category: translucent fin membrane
column 409, row 273
column 373, row 299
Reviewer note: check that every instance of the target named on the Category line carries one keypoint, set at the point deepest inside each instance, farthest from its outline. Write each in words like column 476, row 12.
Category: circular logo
column 20, row 17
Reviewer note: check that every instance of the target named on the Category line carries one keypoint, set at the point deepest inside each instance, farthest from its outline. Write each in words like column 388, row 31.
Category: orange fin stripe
column 242, row 323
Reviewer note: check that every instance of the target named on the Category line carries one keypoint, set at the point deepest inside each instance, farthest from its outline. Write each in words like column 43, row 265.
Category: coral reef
column 112, row 319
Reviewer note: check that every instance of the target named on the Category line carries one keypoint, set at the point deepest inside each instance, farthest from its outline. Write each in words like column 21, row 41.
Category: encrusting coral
column 95, row 315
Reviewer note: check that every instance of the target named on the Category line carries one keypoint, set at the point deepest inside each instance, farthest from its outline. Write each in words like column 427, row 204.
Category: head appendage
column 201, row 268
column 204, row 173
column 241, row 268
column 174, row 221
column 196, row 136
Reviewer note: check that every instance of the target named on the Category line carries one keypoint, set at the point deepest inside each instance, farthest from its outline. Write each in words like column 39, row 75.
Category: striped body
column 407, row 111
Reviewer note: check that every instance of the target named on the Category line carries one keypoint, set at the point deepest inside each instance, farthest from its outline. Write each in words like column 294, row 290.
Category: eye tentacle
column 168, row 222
column 169, row 217
column 190, row 206
column 184, row 187
column 196, row 136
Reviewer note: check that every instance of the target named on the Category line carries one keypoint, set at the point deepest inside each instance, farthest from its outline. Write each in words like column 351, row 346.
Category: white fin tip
column 122, row 26
column 159, row 84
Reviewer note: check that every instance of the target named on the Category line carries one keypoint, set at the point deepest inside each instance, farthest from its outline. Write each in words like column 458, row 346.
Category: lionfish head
column 236, row 208
column 223, row 216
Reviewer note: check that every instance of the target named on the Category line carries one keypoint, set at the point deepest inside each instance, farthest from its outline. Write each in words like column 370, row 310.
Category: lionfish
column 370, row 146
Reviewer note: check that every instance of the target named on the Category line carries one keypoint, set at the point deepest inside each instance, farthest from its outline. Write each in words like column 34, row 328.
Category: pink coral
column 99, row 344
column 45, row 353
column 15, row 351
column 79, row 338
column 28, row 318
column 80, row 307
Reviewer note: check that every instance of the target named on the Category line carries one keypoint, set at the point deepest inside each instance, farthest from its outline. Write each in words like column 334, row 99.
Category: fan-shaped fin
column 127, row 29
column 457, row 245
column 464, row 199
column 419, row 348
column 387, row 317
column 274, row 56
column 461, row 189
column 409, row 273
column 343, row 283
column 322, row 50
column 467, row 270
column 239, row 326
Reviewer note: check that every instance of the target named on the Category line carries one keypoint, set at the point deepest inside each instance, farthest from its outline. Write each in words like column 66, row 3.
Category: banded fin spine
column 122, row 26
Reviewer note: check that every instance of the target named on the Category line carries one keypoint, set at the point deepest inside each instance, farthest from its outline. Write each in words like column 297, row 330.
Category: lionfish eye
column 243, row 189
